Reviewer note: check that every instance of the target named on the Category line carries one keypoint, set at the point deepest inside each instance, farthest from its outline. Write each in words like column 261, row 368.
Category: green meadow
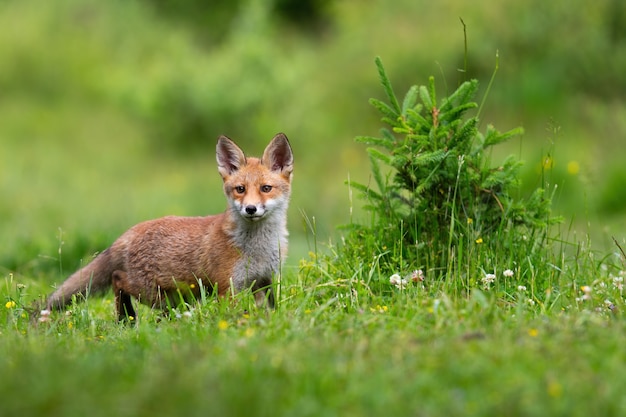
column 438, row 266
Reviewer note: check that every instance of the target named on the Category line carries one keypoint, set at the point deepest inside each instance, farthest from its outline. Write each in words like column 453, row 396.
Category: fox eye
column 240, row 189
column 266, row 188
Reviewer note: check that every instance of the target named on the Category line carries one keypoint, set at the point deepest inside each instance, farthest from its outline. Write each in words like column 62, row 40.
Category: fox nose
column 250, row 209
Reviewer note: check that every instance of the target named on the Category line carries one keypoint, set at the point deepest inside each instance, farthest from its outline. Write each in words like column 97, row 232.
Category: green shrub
column 436, row 202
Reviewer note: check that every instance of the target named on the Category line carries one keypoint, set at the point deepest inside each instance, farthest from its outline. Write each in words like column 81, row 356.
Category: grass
column 331, row 348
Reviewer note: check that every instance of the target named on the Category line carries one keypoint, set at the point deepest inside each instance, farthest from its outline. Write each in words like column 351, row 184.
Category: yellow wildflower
column 379, row 309
column 10, row 304
column 554, row 389
column 573, row 167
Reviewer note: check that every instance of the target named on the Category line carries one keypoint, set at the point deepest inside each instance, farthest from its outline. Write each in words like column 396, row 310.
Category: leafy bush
column 436, row 196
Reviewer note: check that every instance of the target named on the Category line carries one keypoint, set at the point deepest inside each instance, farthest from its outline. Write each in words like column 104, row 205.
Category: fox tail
column 94, row 278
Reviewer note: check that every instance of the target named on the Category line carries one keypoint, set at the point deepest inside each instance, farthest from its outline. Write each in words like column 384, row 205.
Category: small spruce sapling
column 433, row 180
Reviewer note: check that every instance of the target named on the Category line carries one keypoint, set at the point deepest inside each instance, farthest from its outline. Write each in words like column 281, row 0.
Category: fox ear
column 278, row 155
column 230, row 157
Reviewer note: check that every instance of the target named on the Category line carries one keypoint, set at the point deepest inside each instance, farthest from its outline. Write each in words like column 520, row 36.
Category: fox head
column 256, row 188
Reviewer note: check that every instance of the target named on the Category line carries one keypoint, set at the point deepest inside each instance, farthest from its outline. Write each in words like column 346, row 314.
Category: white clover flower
column 521, row 288
column 417, row 275
column 398, row 281
column 44, row 316
column 489, row 278
column 508, row 273
column 402, row 284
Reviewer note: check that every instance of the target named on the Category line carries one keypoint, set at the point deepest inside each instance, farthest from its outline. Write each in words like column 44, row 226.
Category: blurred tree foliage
column 563, row 46
column 192, row 69
column 616, row 18
column 211, row 21
column 177, row 74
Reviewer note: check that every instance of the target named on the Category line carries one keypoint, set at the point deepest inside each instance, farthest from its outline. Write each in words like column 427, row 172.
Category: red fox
column 159, row 261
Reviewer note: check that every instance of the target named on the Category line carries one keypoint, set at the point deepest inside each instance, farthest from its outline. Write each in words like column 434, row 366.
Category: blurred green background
column 110, row 110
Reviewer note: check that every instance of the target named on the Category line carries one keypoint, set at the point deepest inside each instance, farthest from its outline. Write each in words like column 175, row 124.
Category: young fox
column 159, row 261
